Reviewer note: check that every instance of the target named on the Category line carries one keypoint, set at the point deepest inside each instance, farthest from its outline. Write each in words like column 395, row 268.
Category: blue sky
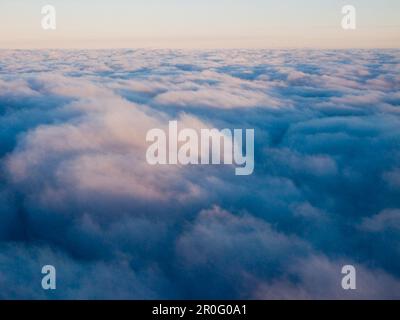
column 205, row 23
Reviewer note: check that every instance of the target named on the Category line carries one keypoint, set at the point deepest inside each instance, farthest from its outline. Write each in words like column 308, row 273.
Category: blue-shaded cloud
column 76, row 190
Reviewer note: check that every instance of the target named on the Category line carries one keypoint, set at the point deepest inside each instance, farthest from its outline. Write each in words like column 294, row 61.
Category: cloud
column 76, row 191
column 214, row 98
column 385, row 220
column 320, row 278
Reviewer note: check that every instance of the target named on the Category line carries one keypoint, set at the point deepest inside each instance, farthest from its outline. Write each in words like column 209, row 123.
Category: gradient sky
column 199, row 23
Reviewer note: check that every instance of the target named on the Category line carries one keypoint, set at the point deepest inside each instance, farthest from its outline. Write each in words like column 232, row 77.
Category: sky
column 199, row 24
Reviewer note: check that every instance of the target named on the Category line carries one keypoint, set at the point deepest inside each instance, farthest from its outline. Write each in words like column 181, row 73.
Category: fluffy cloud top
column 77, row 193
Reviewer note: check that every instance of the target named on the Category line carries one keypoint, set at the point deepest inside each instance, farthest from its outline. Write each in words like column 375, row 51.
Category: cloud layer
column 77, row 193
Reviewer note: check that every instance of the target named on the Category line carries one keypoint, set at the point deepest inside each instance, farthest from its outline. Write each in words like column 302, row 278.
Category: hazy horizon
column 192, row 24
